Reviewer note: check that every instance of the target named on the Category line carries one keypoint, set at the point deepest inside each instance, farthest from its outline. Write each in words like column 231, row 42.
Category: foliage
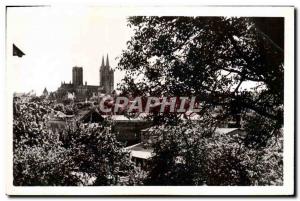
column 189, row 154
column 213, row 59
column 208, row 57
column 39, row 159
column 48, row 164
column 179, row 156
column 259, row 130
column 96, row 151
column 82, row 155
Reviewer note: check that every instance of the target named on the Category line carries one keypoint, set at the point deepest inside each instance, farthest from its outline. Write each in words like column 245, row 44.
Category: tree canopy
column 232, row 63
column 79, row 154
column 223, row 61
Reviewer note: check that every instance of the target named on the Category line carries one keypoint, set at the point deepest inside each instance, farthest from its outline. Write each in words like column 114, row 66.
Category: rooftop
column 140, row 151
column 122, row 118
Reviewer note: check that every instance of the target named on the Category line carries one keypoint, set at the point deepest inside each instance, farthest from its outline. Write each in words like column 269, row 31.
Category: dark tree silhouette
column 212, row 58
column 234, row 63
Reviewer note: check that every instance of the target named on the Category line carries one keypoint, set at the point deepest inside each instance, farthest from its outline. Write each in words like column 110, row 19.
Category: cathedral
column 106, row 76
column 81, row 91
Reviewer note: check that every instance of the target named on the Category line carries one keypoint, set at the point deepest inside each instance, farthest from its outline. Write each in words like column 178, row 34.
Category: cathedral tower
column 77, row 76
column 106, row 76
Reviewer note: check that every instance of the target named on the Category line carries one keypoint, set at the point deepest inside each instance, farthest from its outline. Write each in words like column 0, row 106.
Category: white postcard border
column 286, row 189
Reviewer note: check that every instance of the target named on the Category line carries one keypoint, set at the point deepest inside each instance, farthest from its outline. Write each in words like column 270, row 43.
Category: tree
column 227, row 62
column 39, row 158
column 259, row 130
column 47, row 164
column 97, row 152
column 192, row 154
column 179, row 156
column 80, row 155
column 212, row 58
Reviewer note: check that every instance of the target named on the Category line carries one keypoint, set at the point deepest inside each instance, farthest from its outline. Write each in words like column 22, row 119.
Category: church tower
column 77, row 76
column 106, row 76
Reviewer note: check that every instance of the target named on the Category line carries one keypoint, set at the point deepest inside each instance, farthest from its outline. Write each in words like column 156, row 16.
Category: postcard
column 108, row 100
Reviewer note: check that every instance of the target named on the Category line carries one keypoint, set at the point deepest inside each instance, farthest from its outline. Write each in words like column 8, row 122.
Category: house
column 230, row 131
column 140, row 154
column 89, row 116
column 128, row 129
column 58, row 120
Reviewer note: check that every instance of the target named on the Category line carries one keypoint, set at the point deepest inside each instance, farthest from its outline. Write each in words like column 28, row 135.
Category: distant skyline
column 55, row 39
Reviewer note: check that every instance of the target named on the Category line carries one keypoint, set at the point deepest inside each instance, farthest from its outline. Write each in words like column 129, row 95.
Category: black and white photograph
column 142, row 101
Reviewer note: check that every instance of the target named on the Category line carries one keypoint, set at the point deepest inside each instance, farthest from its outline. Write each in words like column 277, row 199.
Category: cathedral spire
column 102, row 61
column 107, row 62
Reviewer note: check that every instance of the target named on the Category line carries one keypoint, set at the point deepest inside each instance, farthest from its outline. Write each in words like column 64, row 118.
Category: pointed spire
column 107, row 62
column 102, row 61
column 45, row 92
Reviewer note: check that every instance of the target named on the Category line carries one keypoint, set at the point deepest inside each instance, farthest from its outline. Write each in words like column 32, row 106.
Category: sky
column 55, row 39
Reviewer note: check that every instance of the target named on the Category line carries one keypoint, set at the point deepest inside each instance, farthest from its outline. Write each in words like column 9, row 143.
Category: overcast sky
column 55, row 39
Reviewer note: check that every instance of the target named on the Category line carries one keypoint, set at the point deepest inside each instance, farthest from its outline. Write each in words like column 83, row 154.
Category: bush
column 80, row 155
column 187, row 155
